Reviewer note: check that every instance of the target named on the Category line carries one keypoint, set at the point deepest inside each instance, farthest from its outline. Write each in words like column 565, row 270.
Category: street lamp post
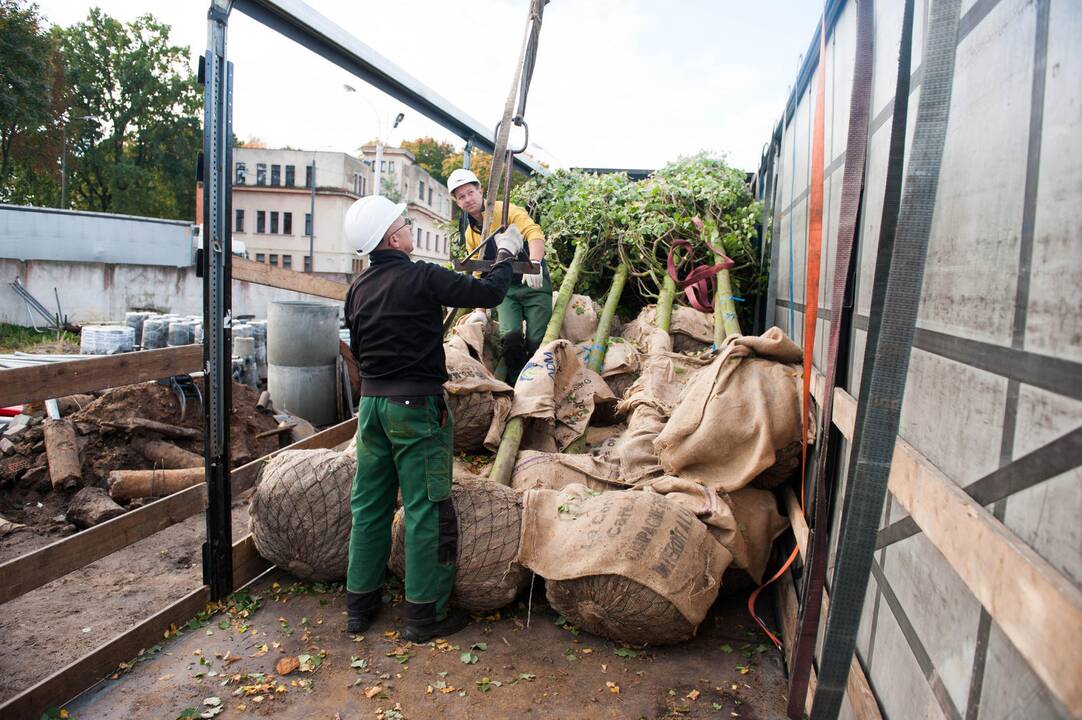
column 378, row 169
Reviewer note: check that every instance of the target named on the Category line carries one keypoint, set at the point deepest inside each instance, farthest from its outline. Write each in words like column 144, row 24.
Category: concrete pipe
column 302, row 355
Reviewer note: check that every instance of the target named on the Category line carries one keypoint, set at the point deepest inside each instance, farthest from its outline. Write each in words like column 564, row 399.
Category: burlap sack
column 691, row 330
column 580, row 320
column 479, row 403
column 662, row 378
column 621, row 366
column 476, row 337
column 558, row 390
column 487, row 577
column 635, row 448
column 300, row 516
column 758, row 524
column 625, row 565
column 552, row 471
column 735, row 415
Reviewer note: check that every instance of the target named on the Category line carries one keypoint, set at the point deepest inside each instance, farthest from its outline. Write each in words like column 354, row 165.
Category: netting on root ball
column 300, row 514
column 618, row 608
column 489, row 523
column 473, row 417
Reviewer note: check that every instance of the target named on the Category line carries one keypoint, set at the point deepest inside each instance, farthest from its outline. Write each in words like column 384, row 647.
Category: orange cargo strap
column 811, row 296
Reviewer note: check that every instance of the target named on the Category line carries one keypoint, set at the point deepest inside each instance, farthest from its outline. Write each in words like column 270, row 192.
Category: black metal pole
column 217, row 300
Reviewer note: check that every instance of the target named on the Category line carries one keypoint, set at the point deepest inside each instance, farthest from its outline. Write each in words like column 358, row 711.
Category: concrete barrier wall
column 982, row 390
column 96, row 292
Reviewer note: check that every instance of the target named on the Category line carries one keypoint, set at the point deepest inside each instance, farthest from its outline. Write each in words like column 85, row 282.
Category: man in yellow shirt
column 529, row 298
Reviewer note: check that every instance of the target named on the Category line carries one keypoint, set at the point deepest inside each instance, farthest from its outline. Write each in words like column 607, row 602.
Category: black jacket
column 394, row 310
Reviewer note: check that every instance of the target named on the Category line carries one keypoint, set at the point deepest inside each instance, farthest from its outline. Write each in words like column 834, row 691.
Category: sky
column 617, row 83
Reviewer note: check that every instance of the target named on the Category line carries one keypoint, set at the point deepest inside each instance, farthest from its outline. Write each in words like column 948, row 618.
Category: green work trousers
column 524, row 303
column 404, row 442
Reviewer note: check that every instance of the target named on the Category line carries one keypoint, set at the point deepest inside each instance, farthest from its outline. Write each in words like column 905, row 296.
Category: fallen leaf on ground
column 693, row 695
column 613, row 687
column 286, row 665
column 371, row 692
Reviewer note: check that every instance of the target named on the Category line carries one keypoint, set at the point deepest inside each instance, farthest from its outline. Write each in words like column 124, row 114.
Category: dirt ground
column 50, row 627
column 496, row 668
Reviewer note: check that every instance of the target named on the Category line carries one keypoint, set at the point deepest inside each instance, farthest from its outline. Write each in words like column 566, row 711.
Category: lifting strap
column 892, row 325
column 848, row 216
column 700, row 283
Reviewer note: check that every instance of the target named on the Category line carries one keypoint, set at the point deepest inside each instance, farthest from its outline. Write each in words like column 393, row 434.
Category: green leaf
column 479, row 646
column 358, row 662
column 726, row 648
column 625, row 652
column 468, row 658
column 188, row 713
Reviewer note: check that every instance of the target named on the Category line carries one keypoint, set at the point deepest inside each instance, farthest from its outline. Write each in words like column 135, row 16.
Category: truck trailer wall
column 996, row 371
column 98, row 292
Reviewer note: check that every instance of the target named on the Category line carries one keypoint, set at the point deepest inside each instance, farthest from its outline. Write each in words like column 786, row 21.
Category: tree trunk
column 512, row 434
column 62, row 451
column 164, row 429
column 725, row 320
column 168, row 456
column 126, row 485
column 664, row 303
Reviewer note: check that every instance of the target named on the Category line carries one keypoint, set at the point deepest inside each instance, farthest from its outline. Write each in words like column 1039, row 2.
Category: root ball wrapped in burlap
column 487, row 577
column 625, row 565
column 478, row 402
column 300, row 515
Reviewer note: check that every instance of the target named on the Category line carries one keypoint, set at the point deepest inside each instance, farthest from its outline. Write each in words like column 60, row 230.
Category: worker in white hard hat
column 404, row 429
column 529, row 298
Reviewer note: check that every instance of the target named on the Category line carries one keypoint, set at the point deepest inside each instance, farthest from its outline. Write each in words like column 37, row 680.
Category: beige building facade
column 428, row 204
column 273, row 202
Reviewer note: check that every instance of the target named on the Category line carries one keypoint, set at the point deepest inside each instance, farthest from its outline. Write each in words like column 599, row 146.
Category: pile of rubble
column 117, row 450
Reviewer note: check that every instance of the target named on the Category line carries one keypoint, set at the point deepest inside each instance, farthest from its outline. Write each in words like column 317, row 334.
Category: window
column 291, row 175
column 308, row 176
column 382, row 165
column 364, row 186
column 308, row 263
column 358, row 265
column 308, row 223
column 261, row 174
column 260, row 221
column 239, row 224
column 418, row 237
column 274, row 260
column 287, row 262
column 287, row 223
column 276, row 175
column 242, row 173
column 428, row 240
column 390, row 167
column 421, row 190
column 430, row 196
column 260, row 257
column 274, row 223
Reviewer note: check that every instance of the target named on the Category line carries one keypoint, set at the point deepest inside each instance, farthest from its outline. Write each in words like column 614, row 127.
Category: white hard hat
column 459, row 178
column 368, row 219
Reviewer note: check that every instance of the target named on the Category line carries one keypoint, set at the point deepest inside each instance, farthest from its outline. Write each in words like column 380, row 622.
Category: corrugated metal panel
column 31, row 233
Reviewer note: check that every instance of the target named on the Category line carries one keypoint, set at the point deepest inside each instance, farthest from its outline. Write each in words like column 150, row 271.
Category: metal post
column 462, row 220
column 217, row 300
column 312, row 221
column 64, row 171
column 378, row 171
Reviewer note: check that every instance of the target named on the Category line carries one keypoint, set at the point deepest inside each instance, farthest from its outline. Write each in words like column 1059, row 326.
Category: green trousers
column 524, row 303
column 404, row 443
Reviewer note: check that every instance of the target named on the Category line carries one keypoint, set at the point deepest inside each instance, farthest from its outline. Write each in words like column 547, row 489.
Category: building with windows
column 273, row 204
column 428, row 204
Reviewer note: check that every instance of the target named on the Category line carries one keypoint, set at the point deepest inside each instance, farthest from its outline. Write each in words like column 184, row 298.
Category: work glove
column 536, row 280
column 477, row 316
column 508, row 243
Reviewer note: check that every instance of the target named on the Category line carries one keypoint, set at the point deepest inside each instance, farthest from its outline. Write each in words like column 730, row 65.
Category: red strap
column 699, row 284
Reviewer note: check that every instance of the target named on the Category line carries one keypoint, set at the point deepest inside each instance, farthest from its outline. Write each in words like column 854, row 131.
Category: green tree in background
column 31, row 103
column 430, row 155
column 137, row 154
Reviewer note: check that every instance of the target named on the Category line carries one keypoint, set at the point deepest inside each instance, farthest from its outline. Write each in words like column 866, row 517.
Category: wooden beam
column 68, row 682
column 1038, row 608
column 262, row 274
column 858, row 689
column 27, row 572
column 53, row 380
column 1034, row 604
column 71, row 681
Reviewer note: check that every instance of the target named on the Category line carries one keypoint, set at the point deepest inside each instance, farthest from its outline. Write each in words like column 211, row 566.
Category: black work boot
column 422, row 625
column 513, row 354
column 361, row 609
